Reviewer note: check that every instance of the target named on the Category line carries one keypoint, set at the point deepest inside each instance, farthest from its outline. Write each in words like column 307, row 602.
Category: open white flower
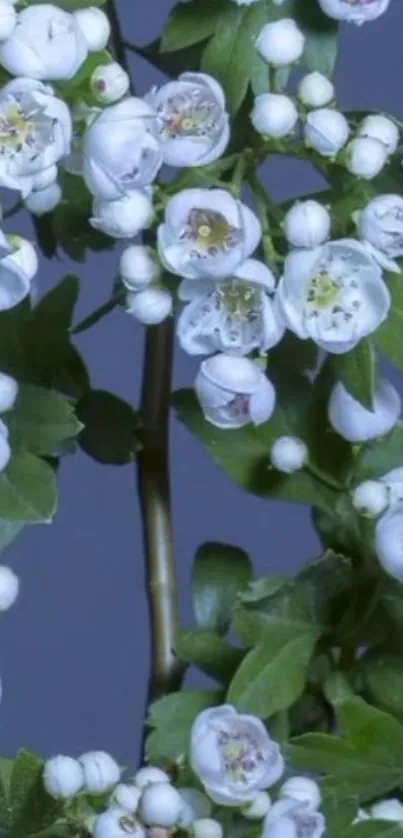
column 292, row 819
column 334, row 294
column 46, row 44
column 389, row 543
column 121, row 149
column 206, row 233
column 354, row 11
column 381, row 229
column 232, row 754
column 193, row 120
column 381, row 128
column 236, row 315
column 326, row 130
column 354, row 422
column 17, row 270
column 124, row 218
column 281, row 42
column 36, row 132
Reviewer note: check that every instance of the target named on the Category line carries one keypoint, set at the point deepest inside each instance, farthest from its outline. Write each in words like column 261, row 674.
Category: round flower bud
column 207, row 828
column 5, row 452
column 274, row 115
column 315, row 90
column 388, row 810
column 366, row 157
column 258, row 808
column 195, row 805
column 151, row 306
column 389, row 543
column 302, row 789
column 44, row 200
column 123, row 218
column 379, row 127
column 354, row 422
column 288, row 454
column 307, row 224
column 370, row 498
column 45, row 178
column 138, row 268
column 326, row 130
column 148, row 775
column 280, row 43
column 160, row 805
column 9, row 587
column 8, row 19
column 101, row 772
column 94, row 25
column 126, row 796
column 380, row 226
column 109, row 83
column 8, row 392
column 117, row 823
column 63, row 777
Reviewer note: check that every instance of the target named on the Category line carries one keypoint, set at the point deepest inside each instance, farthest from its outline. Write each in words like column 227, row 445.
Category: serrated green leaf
column 173, row 717
column 41, row 420
column 209, row 652
column 357, row 371
column 220, row 573
column 189, row 24
column 388, row 338
column 382, row 677
column 32, row 809
column 27, row 489
column 111, row 428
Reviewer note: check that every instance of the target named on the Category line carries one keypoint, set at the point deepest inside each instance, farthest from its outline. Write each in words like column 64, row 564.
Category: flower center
column 239, row 751
column 23, row 126
column 239, row 299
column 210, row 233
column 323, row 290
column 333, row 295
column 190, row 114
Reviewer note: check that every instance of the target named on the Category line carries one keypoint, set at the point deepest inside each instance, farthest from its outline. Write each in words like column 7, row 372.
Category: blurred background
column 74, row 652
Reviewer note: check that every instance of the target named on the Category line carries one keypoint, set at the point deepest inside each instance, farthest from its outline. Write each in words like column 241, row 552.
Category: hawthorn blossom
column 354, row 11
column 307, row 224
column 280, row 42
column 381, row 229
column 18, row 266
column 355, row 422
column 63, row 777
column 381, row 128
column 291, row 818
column 274, row 115
column 288, row 454
column 125, row 217
column 326, row 130
column 389, row 542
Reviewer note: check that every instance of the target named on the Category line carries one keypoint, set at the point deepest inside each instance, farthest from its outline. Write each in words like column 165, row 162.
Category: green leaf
column 27, row 489
column 209, row 652
column 172, row 718
column 321, row 33
column 220, row 573
column 374, row 828
column 357, row 371
column 6, row 766
column 8, row 533
column 32, row 809
column 382, row 677
column 111, row 428
column 376, row 458
column 41, row 420
column 273, row 675
column 388, row 338
column 172, row 63
column 189, row 24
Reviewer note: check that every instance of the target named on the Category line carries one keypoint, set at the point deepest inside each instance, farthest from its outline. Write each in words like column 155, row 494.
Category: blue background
column 74, row 650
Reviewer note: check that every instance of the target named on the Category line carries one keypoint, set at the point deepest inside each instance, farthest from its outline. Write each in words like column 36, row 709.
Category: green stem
column 263, row 207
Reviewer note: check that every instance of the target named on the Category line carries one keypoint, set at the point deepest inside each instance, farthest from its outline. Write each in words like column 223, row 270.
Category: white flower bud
column 44, row 200
column 5, row 452
column 288, row 454
column 101, row 772
column 195, row 805
column 366, row 157
column 354, row 11
column 302, row 789
column 8, row 19
column 151, row 306
column 207, row 828
column 8, row 392
column 380, row 226
column 315, row 90
column 307, row 224
column 124, row 218
column 9, row 587
column 138, row 267
column 45, row 178
column 109, row 83
column 379, row 127
column 389, row 542
column 160, row 804
column 274, row 115
column 388, row 810
column 117, row 823
column 150, row 774
column 354, row 422
column 126, row 796
column 63, row 777
column 326, row 130
column 280, row 43
column 258, row 808
column 370, row 498
column 94, row 25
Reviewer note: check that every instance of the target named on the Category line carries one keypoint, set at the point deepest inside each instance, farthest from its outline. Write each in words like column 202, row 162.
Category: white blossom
column 315, row 90
column 8, row 392
column 290, row 819
column 5, row 456
column 370, row 498
column 17, row 270
column 381, row 229
column 259, row 807
column 207, row 828
column 109, row 83
column 393, row 481
column 206, row 233
column 354, row 11
column 45, row 178
column 151, row 306
column 63, row 777
column 274, row 115
column 389, row 543
column 232, row 753
column 235, row 315
column 121, row 149
column 195, row 805
column 41, row 201
column 233, row 392
column 302, row 789
column 150, row 774
column 9, row 587
column 125, row 217
column 160, row 805
column 117, row 823
column 390, row 809
column 138, row 267
column 125, row 796
column 334, row 294
column 8, row 19
column 288, row 454
column 355, row 422
column 95, row 26
column 379, row 127
column 307, row 224
column 36, row 132
column 326, row 130
column 46, row 44
column 193, row 121
column 366, row 157
column 281, row 42
column 101, row 772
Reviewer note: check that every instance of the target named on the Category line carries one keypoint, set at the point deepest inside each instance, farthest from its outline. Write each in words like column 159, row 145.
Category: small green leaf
column 172, row 63
column 172, row 718
column 111, row 428
column 8, row 533
column 374, row 828
column 357, row 371
column 382, row 676
column 190, row 24
column 388, row 338
column 41, row 420
column 378, row 457
column 321, row 36
column 32, row 809
column 27, row 489
column 220, row 573
column 209, row 652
